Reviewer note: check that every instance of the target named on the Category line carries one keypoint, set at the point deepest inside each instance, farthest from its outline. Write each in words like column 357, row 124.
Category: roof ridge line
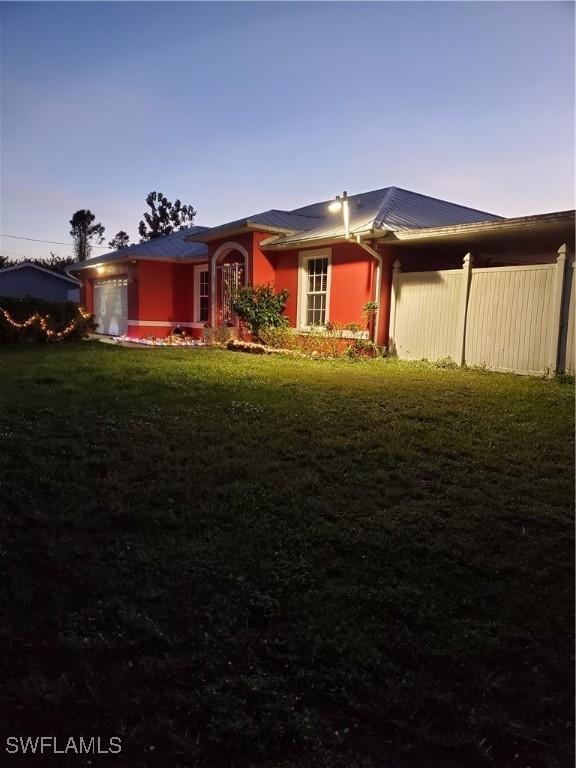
column 442, row 200
column 385, row 206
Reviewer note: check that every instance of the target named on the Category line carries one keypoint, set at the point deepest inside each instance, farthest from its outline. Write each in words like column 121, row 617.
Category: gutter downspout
column 378, row 281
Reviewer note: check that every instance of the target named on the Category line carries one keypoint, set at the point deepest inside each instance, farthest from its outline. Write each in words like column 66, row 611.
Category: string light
column 42, row 321
column 166, row 341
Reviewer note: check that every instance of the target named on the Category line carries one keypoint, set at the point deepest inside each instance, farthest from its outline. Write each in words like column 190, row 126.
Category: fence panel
column 426, row 314
column 508, row 325
column 567, row 341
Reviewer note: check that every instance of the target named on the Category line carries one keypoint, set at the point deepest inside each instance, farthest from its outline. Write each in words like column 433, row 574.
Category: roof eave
column 95, row 263
column 273, row 244
column 479, row 227
column 219, row 233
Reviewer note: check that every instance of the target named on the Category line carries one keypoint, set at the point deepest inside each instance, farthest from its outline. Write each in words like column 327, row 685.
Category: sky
column 239, row 107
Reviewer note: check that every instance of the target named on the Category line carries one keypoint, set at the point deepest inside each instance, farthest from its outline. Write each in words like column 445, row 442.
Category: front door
column 230, row 280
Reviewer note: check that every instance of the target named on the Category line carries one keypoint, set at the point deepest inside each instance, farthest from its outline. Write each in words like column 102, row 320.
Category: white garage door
column 111, row 305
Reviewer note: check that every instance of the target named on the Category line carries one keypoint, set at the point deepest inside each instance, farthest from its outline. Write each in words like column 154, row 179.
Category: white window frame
column 198, row 269
column 301, row 311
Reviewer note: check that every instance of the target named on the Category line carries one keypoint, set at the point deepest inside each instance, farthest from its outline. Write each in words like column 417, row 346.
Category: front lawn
column 231, row 560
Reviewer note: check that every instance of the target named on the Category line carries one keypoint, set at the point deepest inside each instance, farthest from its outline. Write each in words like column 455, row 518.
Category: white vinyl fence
column 518, row 319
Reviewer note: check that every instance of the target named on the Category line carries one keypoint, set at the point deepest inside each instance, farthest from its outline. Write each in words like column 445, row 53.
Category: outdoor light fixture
column 341, row 203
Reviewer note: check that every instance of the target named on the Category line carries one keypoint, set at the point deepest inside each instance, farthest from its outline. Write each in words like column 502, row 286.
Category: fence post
column 396, row 272
column 556, row 319
column 463, row 309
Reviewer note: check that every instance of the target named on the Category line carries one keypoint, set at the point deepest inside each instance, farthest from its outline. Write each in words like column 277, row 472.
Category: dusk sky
column 241, row 107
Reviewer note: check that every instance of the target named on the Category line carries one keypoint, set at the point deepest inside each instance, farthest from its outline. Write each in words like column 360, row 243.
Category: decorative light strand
column 42, row 320
column 166, row 341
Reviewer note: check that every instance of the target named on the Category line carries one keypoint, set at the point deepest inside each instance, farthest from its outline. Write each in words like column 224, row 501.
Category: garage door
column 111, row 305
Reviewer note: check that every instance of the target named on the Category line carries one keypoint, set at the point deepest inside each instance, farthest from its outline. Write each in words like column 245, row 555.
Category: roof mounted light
column 341, row 204
column 335, row 205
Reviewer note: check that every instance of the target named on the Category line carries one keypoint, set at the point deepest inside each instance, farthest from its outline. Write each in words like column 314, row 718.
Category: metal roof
column 288, row 220
column 402, row 209
column 389, row 208
column 273, row 221
column 171, row 247
column 564, row 219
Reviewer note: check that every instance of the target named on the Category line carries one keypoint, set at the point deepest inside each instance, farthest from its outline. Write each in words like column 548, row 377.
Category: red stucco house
column 331, row 268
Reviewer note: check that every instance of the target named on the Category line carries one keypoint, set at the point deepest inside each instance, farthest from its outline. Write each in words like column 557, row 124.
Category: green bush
column 51, row 318
column 219, row 335
column 259, row 307
column 362, row 348
column 446, row 362
column 280, row 337
column 332, row 341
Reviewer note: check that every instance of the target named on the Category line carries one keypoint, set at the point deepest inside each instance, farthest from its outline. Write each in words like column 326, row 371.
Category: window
column 201, row 293
column 314, row 288
column 204, row 293
column 316, row 291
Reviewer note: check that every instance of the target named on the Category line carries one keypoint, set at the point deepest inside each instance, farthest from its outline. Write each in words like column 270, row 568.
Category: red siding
column 157, row 292
column 260, row 267
column 287, row 277
column 183, row 287
column 352, row 283
column 262, row 270
column 166, row 295
column 352, row 275
column 160, row 292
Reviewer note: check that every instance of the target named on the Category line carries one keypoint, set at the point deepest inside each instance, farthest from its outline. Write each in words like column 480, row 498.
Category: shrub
column 45, row 320
column 330, row 340
column 333, row 340
column 280, row 337
column 362, row 348
column 219, row 335
column 445, row 362
column 369, row 312
column 369, row 309
column 259, row 307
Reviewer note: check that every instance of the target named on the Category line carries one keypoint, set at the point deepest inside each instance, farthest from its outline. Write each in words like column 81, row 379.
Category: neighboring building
column 186, row 278
column 26, row 279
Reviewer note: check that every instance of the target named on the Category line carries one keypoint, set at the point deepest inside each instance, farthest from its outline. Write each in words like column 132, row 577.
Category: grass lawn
column 231, row 560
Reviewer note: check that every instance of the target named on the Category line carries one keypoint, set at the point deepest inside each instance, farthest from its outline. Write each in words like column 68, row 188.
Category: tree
column 83, row 232
column 260, row 307
column 55, row 263
column 164, row 217
column 120, row 240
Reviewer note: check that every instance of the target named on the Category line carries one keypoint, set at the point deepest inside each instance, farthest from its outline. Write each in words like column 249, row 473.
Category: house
column 332, row 264
column 25, row 279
